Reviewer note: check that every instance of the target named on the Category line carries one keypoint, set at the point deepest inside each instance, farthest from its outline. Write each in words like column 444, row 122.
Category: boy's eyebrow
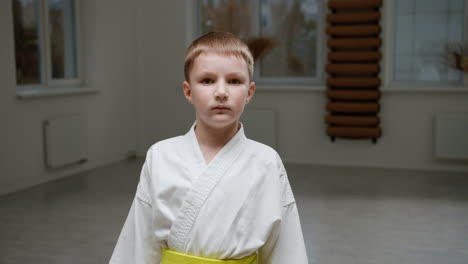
column 202, row 72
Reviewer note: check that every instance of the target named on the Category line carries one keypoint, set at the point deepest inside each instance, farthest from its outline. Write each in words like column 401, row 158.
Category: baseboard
column 368, row 166
column 29, row 182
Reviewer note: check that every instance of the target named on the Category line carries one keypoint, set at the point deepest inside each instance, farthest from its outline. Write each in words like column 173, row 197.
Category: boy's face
column 218, row 87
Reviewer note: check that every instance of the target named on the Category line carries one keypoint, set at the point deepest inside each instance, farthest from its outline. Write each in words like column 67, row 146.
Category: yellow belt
column 173, row 257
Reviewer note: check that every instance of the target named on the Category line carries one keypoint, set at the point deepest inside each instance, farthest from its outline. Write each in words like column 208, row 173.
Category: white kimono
column 238, row 204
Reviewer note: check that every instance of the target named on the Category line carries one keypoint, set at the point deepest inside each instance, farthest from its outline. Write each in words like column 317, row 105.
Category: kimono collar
column 203, row 185
column 236, row 140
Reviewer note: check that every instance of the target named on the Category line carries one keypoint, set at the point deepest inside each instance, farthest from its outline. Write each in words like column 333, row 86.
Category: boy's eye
column 235, row 81
column 207, row 81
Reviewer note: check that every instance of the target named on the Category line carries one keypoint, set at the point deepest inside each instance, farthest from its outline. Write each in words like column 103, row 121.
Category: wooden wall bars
column 353, row 29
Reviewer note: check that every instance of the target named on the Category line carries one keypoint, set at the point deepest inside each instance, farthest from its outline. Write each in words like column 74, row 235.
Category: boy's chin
column 222, row 122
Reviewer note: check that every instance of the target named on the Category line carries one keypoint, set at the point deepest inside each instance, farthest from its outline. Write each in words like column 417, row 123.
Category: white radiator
column 260, row 125
column 65, row 140
column 451, row 136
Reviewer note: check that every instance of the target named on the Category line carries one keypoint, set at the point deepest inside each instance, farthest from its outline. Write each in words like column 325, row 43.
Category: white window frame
column 48, row 85
column 390, row 84
column 273, row 83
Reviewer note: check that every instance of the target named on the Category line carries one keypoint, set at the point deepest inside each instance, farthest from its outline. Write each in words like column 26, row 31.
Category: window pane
column 235, row 16
column 293, row 25
column 423, row 28
column 62, row 39
column 27, row 49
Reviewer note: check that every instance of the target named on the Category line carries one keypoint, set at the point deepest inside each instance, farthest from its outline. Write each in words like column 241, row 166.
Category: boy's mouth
column 220, row 107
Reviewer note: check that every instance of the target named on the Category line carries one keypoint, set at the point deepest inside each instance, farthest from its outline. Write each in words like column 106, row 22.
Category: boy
column 212, row 195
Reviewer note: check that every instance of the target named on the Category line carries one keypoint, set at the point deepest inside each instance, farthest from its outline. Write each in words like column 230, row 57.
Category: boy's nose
column 221, row 91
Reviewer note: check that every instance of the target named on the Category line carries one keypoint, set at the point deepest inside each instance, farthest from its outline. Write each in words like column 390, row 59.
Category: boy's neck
column 215, row 138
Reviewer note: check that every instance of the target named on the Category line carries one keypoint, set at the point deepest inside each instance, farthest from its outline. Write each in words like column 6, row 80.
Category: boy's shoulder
column 168, row 144
column 259, row 146
column 263, row 151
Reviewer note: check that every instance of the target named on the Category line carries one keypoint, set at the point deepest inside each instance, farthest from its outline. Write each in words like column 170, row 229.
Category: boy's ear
column 187, row 91
column 250, row 92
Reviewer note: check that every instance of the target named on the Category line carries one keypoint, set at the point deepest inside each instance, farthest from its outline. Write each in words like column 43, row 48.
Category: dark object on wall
column 353, row 69
column 260, row 46
column 456, row 55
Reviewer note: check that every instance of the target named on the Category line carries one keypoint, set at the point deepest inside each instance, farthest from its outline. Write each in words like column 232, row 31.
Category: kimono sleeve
column 286, row 242
column 136, row 243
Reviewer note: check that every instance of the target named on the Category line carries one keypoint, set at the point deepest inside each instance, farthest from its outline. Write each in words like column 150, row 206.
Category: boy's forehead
column 213, row 54
column 204, row 59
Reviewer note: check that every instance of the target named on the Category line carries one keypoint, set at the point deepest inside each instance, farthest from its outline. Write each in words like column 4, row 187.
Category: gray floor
column 349, row 215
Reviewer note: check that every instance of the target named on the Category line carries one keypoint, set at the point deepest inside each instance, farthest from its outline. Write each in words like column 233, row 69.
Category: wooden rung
column 353, row 30
column 340, row 107
column 355, row 4
column 352, row 68
column 354, row 56
column 354, row 43
column 353, row 95
column 355, row 17
column 353, row 82
column 354, row 132
column 352, row 120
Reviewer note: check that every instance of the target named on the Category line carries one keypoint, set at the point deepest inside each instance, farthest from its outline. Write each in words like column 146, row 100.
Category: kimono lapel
column 202, row 186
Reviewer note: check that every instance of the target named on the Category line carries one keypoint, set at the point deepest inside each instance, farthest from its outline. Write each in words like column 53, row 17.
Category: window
column 46, row 43
column 291, row 25
column 423, row 29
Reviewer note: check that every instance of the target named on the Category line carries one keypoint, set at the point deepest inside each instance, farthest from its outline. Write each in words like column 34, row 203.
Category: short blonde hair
column 219, row 43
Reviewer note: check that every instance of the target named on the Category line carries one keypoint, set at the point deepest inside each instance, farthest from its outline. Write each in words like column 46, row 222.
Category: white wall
column 110, row 59
column 134, row 56
column 407, row 117
column 162, row 43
